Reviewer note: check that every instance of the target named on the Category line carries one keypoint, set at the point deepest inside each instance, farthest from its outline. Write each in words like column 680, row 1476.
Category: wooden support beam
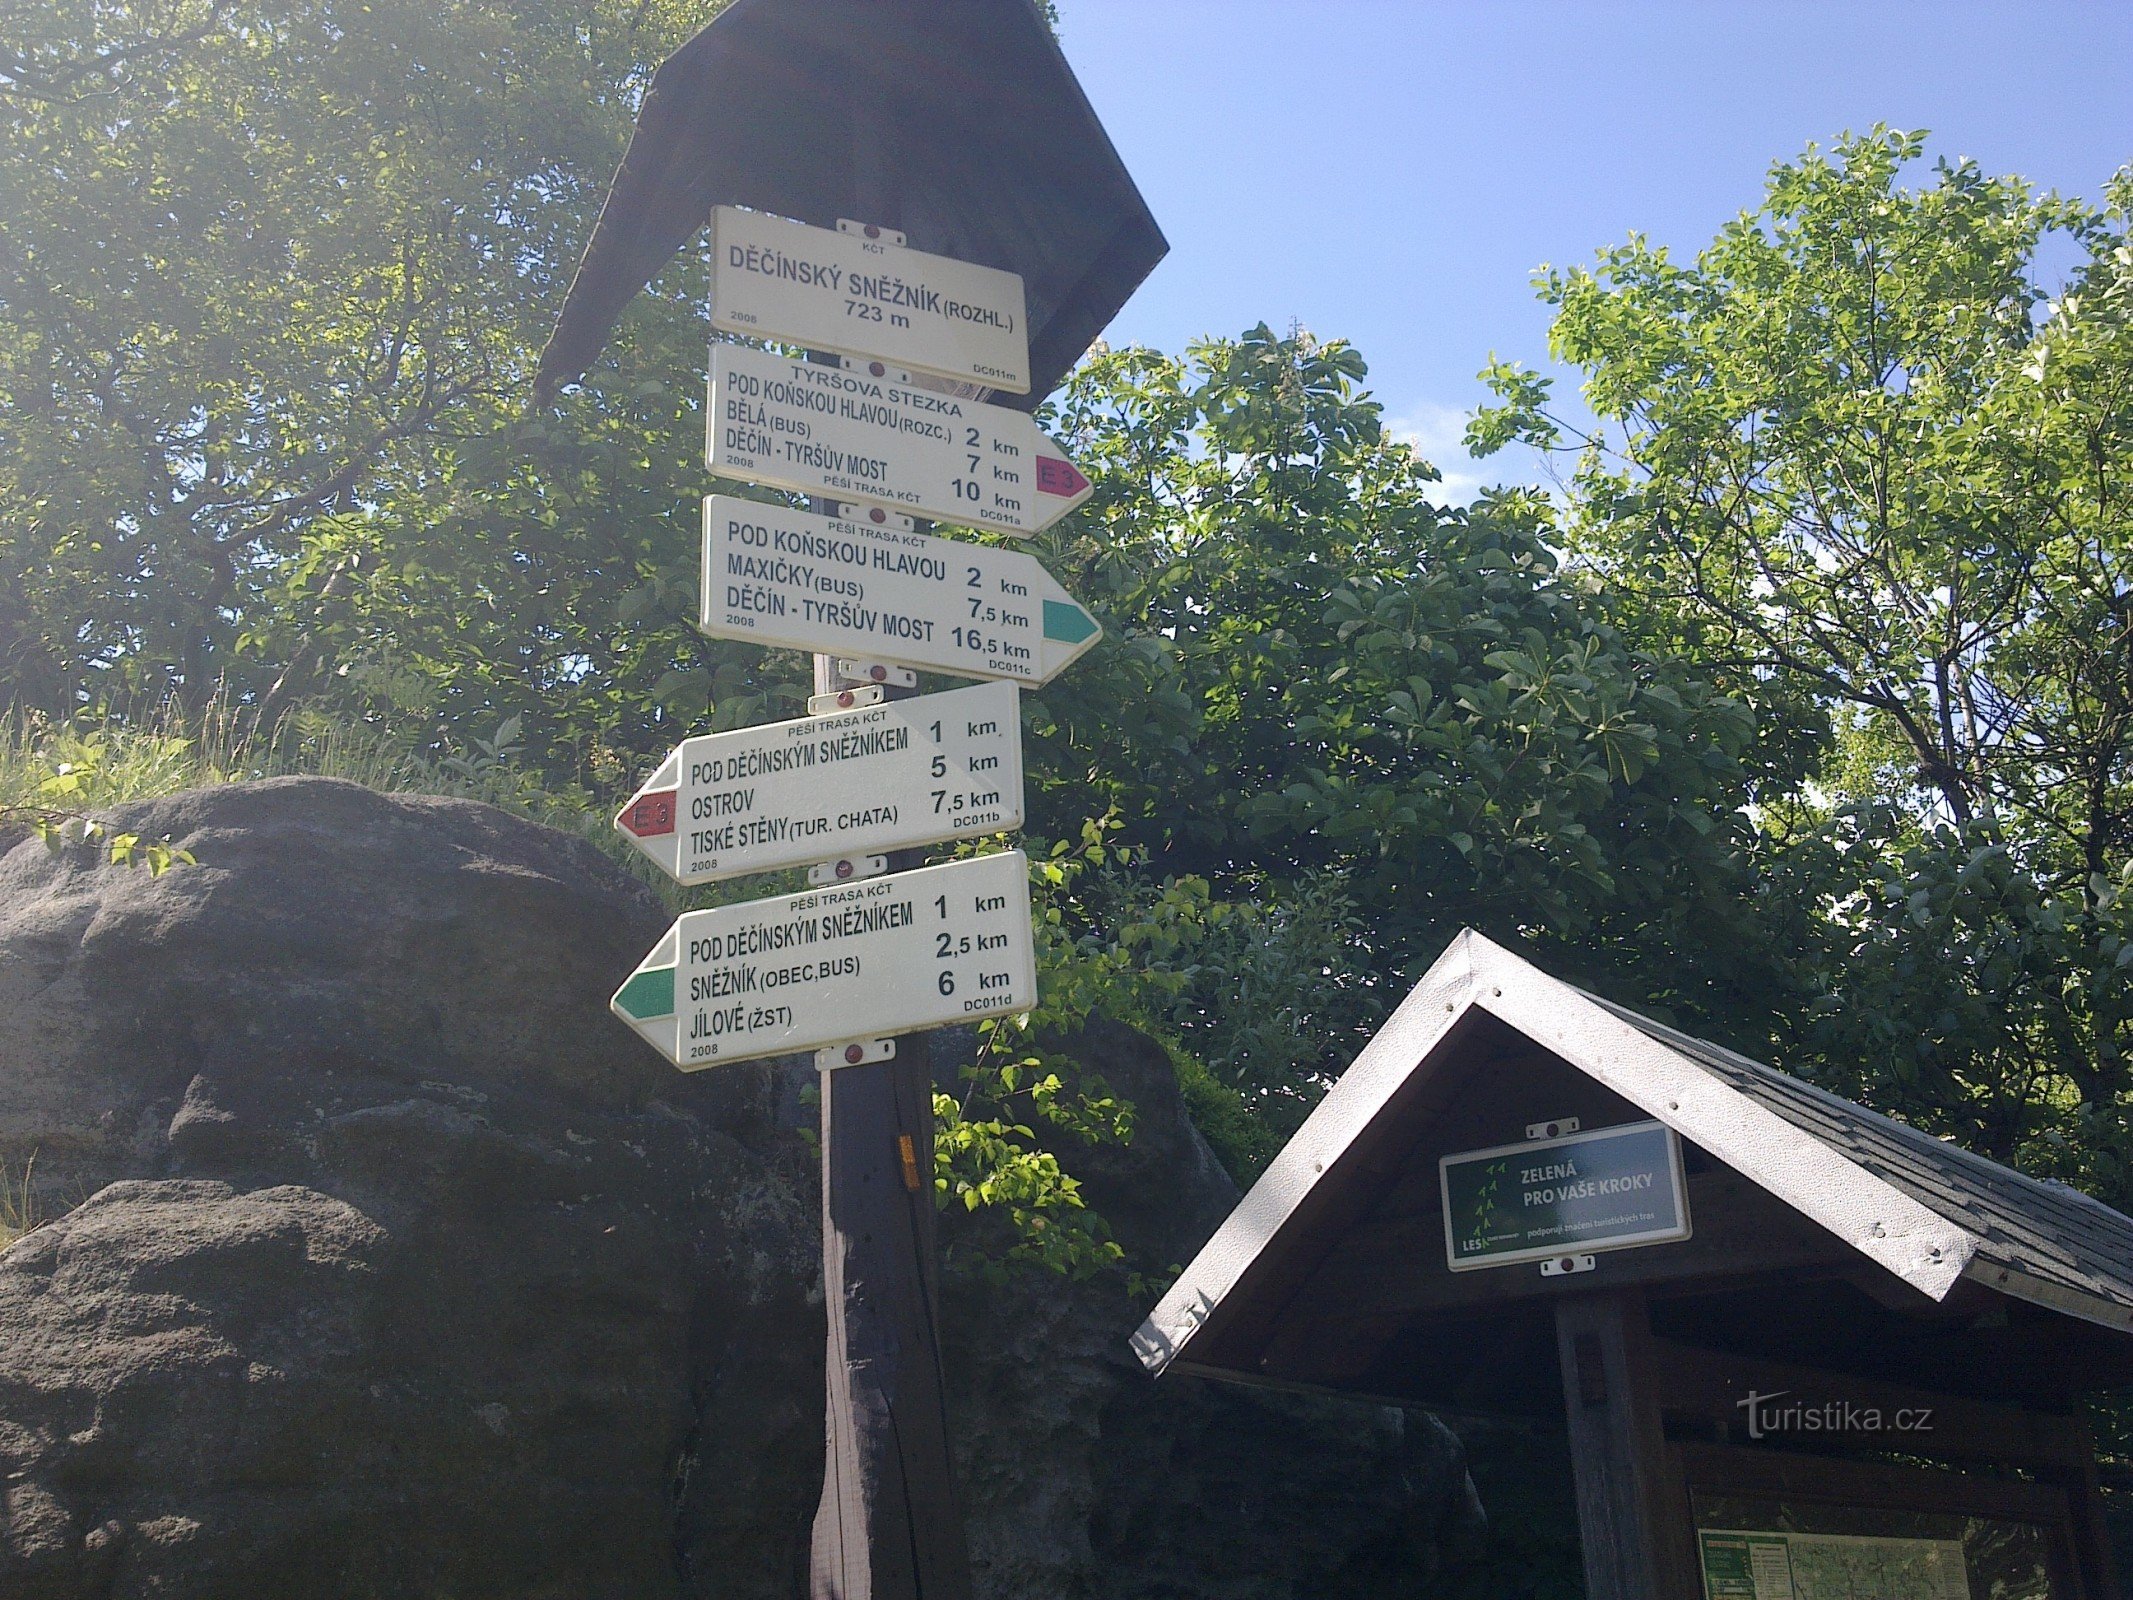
column 2084, row 1503
column 1632, row 1514
column 1711, row 1386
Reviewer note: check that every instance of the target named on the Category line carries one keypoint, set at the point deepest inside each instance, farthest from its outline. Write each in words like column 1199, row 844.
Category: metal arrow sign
column 850, row 587
column 784, row 794
column 884, row 956
column 872, row 435
column 860, row 293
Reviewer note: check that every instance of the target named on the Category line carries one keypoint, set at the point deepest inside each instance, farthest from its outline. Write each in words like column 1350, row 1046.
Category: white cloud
column 1437, row 433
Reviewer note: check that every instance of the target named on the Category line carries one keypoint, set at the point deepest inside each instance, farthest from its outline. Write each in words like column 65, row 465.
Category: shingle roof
column 2049, row 1233
column 1927, row 1210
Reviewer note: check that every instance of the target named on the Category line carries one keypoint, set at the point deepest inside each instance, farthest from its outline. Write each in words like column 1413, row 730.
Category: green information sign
column 1745, row 1566
column 1604, row 1190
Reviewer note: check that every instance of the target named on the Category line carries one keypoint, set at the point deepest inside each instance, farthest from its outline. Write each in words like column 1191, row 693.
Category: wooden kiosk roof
column 1809, row 1212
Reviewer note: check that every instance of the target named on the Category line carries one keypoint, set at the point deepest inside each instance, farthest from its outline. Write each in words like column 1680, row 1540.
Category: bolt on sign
column 874, row 436
column 849, row 586
column 861, row 292
column 847, row 963
column 1608, row 1189
column 786, row 794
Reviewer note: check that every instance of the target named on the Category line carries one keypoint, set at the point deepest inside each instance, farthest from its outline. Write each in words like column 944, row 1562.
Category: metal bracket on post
column 874, row 516
column 1552, row 1130
column 855, row 1055
column 872, row 230
column 955, row 388
column 850, row 869
column 882, row 672
column 836, row 700
column 1566, row 1266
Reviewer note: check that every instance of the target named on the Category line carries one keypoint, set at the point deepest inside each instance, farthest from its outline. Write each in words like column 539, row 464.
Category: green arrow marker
column 647, row 994
column 946, row 605
column 1067, row 623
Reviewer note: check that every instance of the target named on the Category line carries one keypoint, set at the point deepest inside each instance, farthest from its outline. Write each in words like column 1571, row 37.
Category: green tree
column 1855, row 444
column 1959, row 989
column 1361, row 719
column 1855, row 457
column 270, row 287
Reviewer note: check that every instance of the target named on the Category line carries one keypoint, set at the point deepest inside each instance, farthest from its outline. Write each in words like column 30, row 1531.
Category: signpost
column 847, row 586
column 822, row 111
column 869, row 433
column 846, row 963
column 1582, row 1193
column 860, row 291
column 883, row 777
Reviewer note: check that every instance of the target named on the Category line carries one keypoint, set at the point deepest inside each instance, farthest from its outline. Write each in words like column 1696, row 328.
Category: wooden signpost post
column 836, row 123
column 883, row 947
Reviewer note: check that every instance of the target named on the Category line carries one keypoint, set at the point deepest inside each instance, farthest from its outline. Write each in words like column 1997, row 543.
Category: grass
column 18, row 1201
column 85, row 767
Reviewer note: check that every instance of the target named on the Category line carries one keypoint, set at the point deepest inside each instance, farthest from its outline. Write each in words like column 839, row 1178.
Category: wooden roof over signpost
column 1331, row 1273
column 957, row 122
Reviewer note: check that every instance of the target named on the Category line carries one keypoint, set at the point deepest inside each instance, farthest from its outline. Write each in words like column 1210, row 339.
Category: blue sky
column 1392, row 171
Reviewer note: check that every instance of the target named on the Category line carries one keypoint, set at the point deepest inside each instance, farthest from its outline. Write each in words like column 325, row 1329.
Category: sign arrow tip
column 649, row 993
column 1067, row 623
column 1059, row 476
column 649, row 816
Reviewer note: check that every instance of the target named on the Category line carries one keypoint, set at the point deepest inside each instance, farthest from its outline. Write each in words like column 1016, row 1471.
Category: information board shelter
column 1853, row 1365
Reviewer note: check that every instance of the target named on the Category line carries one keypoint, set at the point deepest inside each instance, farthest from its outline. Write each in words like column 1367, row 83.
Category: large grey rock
column 395, row 1267
column 404, row 1270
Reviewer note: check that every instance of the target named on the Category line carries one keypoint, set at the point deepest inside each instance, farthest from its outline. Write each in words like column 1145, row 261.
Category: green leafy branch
column 58, row 823
column 996, row 1139
column 988, row 1154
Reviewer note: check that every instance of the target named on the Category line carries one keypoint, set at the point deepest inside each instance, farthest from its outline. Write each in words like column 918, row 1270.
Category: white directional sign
column 856, row 435
column 829, row 290
column 885, row 777
column 858, row 961
column 844, row 587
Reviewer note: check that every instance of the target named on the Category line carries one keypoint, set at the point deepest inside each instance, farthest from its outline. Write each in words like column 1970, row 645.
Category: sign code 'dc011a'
column 824, row 430
column 1607, row 1189
column 855, row 961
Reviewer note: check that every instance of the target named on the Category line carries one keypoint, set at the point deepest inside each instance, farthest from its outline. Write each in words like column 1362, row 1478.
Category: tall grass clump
column 18, row 1200
column 71, row 771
